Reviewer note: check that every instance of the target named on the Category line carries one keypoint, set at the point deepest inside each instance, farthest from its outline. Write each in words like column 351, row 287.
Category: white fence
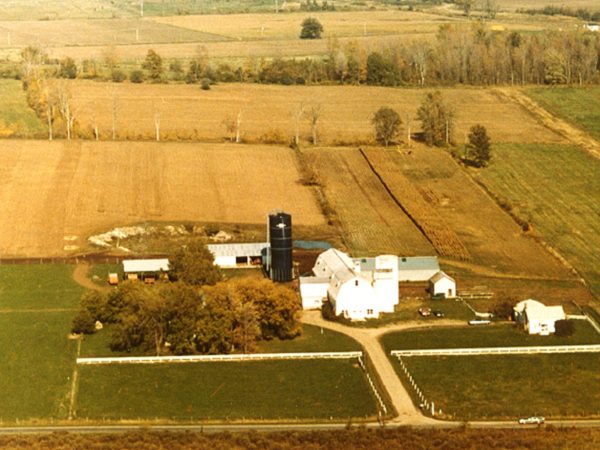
column 373, row 387
column 215, row 358
column 500, row 350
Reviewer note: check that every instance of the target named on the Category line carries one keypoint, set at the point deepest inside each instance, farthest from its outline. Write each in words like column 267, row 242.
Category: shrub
column 205, row 84
column 84, row 323
column 564, row 328
column 118, row 76
column 136, row 76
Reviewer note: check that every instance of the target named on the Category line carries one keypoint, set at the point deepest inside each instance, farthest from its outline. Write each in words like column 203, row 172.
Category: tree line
column 197, row 312
column 469, row 54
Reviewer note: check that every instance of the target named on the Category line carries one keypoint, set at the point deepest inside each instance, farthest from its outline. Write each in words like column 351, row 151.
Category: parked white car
column 537, row 420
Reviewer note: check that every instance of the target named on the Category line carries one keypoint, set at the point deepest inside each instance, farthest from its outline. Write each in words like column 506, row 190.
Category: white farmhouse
column 442, row 283
column 538, row 318
column 353, row 292
column 313, row 291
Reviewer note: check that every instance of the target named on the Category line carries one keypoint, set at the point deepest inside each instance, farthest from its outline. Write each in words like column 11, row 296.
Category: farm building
column 538, row 318
column 354, row 293
column 441, row 283
column 417, row 268
column 592, row 26
column 147, row 270
column 238, row 255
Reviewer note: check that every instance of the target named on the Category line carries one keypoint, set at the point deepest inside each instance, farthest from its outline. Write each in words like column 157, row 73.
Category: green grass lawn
column 15, row 113
column 36, row 358
column 38, row 286
column 557, row 189
column 99, row 272
column 502, row 335
column 36, row 361
column 235, row 390
column 579, row 106
column 509, row 387
column 311, row 340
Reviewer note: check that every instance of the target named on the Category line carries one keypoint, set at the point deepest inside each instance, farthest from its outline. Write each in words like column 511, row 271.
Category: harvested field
column 190, row 113
column 372, row 222
column 66, row 33
column 60, row 192
column 433, row 226
column 287, row 26
column 490, row 235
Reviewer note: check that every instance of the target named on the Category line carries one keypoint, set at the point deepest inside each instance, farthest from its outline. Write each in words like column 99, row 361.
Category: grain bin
column 280, row 238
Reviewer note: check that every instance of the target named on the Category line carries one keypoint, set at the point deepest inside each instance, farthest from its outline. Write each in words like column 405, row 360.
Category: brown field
column 53, row 195
column 188, row 112
column 416, row 204
column 492, row 238
column 287, row 26
column 65, row 33
column 372, row 223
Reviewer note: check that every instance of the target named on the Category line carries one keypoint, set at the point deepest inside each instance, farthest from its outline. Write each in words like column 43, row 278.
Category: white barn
column 313, row 291
column 442, row 283
column 353, row 292
column 238, row 255
column 538, row 318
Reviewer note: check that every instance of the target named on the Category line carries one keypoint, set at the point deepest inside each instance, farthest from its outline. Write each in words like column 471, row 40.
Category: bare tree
column 65, row 106
column 238, row 123
column 157, row 115
column 298, row 113
column 233, row 126
column 314, row 115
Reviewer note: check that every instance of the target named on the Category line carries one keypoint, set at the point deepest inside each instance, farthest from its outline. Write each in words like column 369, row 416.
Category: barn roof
column 245, row 249
column 334, row 263
column 145, row 265
column 404, row 263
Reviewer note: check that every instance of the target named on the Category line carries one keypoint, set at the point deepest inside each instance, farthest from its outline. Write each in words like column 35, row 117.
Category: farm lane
column 80, row 276
column 369, row 339
column 552, row 122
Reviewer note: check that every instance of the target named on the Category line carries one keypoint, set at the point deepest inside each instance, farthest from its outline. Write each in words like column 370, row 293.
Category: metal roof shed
column 145, row 265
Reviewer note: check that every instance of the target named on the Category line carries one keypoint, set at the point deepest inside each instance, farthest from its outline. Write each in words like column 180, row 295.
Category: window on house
column 369, row 311
column 355, row 282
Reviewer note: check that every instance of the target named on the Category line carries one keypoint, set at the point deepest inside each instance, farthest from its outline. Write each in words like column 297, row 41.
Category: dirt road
column 563, row 128
column 368, row 338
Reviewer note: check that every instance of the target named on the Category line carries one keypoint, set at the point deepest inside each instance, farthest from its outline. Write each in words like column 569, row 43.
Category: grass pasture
column 37, row 360
column 556, row 188
column 501, row 335
column 231, row 391
column 579, row 106
column 62, row 192
column 311, row 340
column 16, row 118
column 267, row 110
column 509, row 386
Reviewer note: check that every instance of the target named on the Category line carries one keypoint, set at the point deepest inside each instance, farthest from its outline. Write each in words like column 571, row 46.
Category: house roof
column 245, row 249
column 539, row 311
column 440, row 276
column 404, row 263
column 145, row 265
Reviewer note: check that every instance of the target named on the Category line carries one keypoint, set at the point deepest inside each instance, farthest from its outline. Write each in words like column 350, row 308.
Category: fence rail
column 595, row 348
column 214, row 358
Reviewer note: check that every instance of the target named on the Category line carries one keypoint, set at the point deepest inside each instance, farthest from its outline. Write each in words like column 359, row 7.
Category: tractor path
column 549, row 120
column 369, row 339
column 80, row 276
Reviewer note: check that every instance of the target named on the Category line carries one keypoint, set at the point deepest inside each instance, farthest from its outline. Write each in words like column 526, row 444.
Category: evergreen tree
column 478, row 149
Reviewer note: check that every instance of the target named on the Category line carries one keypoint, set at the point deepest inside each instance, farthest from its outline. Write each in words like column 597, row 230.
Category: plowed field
column 54, row 194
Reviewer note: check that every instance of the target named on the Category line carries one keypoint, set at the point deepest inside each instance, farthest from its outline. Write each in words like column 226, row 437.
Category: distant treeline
column 460, row 54
column 581, row 13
